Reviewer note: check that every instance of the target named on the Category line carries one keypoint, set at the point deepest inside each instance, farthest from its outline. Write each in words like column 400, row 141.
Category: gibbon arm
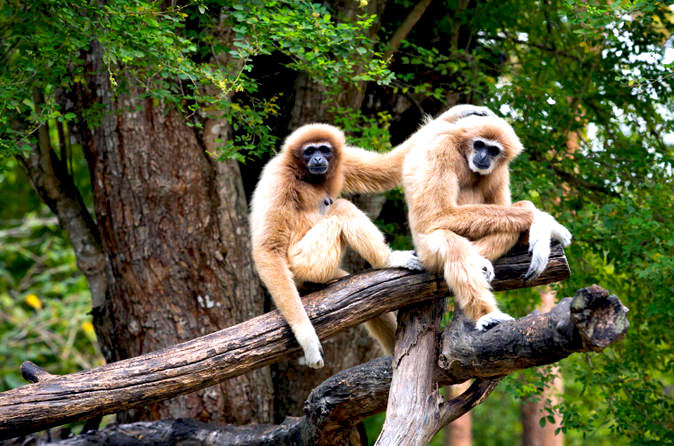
column 367, row 171
column 275, row 273
column 475, row 221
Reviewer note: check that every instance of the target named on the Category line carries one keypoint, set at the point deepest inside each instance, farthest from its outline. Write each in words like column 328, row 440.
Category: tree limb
column 406, row 27
column 590, row 321
column 53, row 183
column 210, row 359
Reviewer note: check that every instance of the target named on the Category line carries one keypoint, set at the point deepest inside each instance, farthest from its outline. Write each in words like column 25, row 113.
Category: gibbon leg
column 317, row 256
column 445, row 251
column 383, row 329
column 495, row 245
column 366, row 239
column 360, row 233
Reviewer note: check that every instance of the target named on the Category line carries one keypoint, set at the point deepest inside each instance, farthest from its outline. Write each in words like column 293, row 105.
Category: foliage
column 587, row 87
column 151, row 47
column 44, row 302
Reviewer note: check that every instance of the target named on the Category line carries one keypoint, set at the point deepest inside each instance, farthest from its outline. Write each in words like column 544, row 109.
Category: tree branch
column 401, row 33
column 590, row 321
column 210, row 359
column 50, row 178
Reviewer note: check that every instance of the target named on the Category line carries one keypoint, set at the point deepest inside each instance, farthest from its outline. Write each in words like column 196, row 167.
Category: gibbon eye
column 309, row 150
column 478, row 144
column 493, row 150
column 325, row 149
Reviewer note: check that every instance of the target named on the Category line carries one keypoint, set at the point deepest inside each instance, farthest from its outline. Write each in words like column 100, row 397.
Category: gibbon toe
column 491, row 319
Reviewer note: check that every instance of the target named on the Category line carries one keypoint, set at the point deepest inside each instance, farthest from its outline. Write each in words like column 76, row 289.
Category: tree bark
column 210, row 359
column 460, row 431
column 178, row 261
column 534, row 408
column 341, row 401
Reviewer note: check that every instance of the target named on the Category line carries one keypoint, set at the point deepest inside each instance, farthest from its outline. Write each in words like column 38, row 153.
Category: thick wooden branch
column 590, row 321
column 213, row 358
column 401, row 33
column 346, row 398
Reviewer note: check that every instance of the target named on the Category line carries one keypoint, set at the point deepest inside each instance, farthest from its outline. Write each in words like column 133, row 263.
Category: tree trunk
column 178, row 260
column 460, row 431
column 533, row 434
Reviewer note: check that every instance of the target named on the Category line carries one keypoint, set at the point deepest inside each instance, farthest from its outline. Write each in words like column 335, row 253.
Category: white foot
column 404, row 259
column 489, row 320
column 488, row 269
column 313, row 352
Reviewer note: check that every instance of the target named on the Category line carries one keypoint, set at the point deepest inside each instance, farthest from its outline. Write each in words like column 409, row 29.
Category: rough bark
column 178, row 264
column 231, row 352
column 534, row 408
column 344, row 399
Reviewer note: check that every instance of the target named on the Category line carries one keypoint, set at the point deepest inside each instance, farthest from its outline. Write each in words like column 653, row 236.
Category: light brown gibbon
column 457, row 188
column 300, row 228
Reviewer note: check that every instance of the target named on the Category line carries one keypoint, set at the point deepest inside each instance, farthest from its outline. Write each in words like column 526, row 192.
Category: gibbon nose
column 481, row 160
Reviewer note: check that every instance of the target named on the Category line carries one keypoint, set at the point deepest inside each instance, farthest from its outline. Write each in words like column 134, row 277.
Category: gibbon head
column 487, row 143
column 314, row 151
column 463, row 111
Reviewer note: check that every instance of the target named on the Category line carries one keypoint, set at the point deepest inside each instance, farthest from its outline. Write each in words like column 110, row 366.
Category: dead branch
column 207, row 360
column 590, row 321
column 417, row 411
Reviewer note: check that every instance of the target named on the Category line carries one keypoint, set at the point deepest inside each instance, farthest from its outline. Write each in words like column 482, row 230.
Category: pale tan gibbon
column 457, row 188
column 300, row 228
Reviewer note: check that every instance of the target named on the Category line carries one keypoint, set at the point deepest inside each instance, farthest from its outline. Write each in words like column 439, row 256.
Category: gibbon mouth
column 318, row 170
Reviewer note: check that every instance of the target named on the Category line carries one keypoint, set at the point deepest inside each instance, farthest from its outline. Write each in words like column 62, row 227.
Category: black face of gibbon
column 317, row 158
column 484, row 153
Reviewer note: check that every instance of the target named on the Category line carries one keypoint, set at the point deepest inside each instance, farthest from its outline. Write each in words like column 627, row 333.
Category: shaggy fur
column 300, row 228
column 461, row 219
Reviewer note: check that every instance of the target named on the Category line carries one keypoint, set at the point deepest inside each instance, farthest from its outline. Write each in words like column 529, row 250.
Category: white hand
column 561, row 234
column 539, row 243
column 404, row 259
column 488, row 269
column 313, row 352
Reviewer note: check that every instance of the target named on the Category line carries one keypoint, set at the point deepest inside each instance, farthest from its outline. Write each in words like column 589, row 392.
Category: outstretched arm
column 367, row 171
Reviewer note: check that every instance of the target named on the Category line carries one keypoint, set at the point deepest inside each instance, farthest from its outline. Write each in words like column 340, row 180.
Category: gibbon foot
column 488, row 270
column 311, row 345
column 543, row 229
column 404, row 259
column 489, row 320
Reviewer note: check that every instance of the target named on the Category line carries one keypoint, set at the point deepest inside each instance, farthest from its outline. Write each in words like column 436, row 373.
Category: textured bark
column 210, row 359
column 533, row 409
column 178, row 261
column 341, row 401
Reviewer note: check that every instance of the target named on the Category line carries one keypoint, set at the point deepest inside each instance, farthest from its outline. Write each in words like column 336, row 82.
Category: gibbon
column 300, row 228
column 457, row 188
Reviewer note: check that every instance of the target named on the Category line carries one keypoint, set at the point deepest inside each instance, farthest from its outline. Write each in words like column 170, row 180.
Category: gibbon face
column 317, row 157
column 484, row 155
column 316, row 152
column 489, row 143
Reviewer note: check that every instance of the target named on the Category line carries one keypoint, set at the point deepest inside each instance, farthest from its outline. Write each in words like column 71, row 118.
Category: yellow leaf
column 34, row 301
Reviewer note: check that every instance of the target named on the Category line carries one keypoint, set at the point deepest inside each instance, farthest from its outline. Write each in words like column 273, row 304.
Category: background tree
column 116, row 113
